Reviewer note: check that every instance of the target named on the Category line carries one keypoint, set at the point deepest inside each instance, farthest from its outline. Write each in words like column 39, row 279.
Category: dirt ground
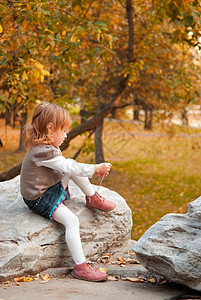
column 68, row 288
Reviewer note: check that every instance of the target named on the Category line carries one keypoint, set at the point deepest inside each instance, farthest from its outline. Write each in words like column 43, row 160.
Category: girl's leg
column 82, row 269
column 66, row 217
column 84, row 184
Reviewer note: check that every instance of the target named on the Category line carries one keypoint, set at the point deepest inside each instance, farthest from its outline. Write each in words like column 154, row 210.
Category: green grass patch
column 163, row 181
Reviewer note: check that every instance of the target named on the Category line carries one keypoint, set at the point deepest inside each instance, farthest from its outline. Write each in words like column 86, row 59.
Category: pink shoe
column 98, row 202
column 87, row 271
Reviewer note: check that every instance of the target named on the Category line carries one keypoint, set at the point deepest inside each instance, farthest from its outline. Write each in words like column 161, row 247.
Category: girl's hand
column 103, row 168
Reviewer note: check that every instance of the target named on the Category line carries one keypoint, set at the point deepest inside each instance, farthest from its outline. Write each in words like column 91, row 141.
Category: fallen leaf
column 22, row 279
column 7, row 285
column 104, row 270
column 128, row 259
column 45, row 277
column 152, row 280
column 104, row 258
column 130, row 252
column 163, row 281
column 134, row 261
column 112, row 278
column 27, row 279
column 19, row 279
column 134, row 279
column 121, row 260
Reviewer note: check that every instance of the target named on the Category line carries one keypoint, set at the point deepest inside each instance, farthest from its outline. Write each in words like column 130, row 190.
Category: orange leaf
column 152, row 280
column 46, row 276
column 121, row 259
column 19, row 279
column 134, row 279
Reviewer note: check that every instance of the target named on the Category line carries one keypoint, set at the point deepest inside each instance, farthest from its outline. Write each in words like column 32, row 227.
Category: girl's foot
column 98, row 202
column 88, row 271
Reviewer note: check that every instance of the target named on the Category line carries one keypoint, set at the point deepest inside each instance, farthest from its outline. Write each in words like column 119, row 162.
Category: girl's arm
column 68, row 166
column 72, row 167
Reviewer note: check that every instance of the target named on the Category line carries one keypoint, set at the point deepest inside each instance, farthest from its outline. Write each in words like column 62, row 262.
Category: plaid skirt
column 46, row 204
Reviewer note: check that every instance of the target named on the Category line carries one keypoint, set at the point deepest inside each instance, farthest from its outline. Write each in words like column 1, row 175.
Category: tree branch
column 11, row 173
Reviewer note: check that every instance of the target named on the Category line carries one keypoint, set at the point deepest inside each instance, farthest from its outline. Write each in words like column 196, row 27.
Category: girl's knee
column 74, row 221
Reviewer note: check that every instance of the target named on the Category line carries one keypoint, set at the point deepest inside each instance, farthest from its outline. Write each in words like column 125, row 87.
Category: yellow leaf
column 63, row 33
column 36, row 73
column 27, row 279
column 24, row 76
column 45, row 72
column 1, row 29
column 104, row 270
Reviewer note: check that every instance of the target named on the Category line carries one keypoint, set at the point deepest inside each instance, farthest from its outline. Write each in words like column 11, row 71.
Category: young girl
column 45, row 172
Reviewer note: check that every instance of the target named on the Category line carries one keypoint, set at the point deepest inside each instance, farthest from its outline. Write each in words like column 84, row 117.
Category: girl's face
column 59, row 136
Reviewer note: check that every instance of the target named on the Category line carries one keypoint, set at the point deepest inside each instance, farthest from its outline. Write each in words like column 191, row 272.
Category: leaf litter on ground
column 121, row 261
column 17, row 280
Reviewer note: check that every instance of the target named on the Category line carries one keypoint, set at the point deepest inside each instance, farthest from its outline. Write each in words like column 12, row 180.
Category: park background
column 129, row 73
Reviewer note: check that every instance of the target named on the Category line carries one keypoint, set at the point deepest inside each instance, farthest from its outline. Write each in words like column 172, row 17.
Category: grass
column 155, row 174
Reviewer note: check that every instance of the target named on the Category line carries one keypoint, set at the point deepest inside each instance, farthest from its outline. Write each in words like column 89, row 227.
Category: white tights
column 66, row 217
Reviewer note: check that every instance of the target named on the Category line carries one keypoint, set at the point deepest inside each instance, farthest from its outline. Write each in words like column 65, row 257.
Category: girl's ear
column 50, row 128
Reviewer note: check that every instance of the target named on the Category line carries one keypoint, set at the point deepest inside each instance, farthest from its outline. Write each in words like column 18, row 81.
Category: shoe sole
column 82, row 278
column 94, row 208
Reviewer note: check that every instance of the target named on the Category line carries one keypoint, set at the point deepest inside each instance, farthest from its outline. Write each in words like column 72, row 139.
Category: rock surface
column 30, row 243
column 172, row 247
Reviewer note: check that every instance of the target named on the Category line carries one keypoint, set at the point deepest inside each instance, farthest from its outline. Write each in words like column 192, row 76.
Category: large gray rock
column 172, row 247
column 30, row 243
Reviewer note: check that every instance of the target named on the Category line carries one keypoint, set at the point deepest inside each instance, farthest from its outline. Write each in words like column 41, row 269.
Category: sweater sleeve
column 68, row 166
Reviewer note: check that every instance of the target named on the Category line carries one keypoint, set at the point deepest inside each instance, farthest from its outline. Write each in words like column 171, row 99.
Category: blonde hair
column 45, row 113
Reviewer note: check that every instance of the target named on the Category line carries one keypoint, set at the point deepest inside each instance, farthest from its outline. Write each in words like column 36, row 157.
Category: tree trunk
column 23, row 121
column 15, row 107
column 136, row 115
column 148, row 119
column 8, row 114
column 113, row 114
column 136, row 112
column 99, row 156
